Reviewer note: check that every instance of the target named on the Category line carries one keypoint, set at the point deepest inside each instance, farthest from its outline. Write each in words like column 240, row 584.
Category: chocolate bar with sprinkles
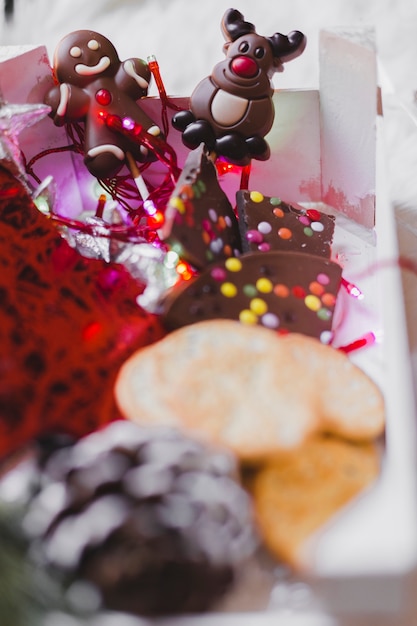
column 283, row 291
column 268, row 223
column 200, row 224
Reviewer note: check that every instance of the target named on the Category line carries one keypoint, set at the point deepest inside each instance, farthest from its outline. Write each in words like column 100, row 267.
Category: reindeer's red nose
column 244, row 67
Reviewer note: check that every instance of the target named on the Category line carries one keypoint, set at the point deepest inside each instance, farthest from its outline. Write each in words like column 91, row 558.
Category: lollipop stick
column 137, row 176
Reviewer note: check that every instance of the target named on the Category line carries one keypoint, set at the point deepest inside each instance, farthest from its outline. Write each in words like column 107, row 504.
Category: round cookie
column 248, row 388
column 299, row 491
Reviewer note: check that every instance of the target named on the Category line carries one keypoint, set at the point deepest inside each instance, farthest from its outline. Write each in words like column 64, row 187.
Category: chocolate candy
column 231, row 111
column 200, row 224
column 271, row 224
column 283, row 291
column 94, row 83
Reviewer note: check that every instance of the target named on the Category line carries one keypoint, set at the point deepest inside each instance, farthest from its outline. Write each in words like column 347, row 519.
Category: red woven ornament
column 66, row 325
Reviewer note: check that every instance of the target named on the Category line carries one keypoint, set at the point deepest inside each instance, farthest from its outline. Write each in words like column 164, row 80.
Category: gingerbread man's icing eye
column 93, row 44
column 75, row 52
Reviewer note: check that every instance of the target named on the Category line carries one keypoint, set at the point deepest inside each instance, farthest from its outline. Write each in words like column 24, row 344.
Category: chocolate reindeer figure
column 231, row 111
column 94, row 83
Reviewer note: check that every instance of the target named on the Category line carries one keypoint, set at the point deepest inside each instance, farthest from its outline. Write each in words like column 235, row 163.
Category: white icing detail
column 75, row 52
column 63, row 100
column 228, row 109
column 90, row 70
column 107, row 147
column 154, row 130
column 93, row 44
column 130, row 70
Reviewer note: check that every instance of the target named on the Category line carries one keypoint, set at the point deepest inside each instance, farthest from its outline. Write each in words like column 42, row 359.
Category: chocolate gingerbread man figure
column 92, row 82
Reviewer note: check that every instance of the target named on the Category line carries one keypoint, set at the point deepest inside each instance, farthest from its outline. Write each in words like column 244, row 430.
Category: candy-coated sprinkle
column 312, row 302
column 218, row 273
column 229, row 290
column 216, row 245
column 304, row 220
column 187, row 192
column 284, row 233
column 254, row 236
column 212, row 215
column 227, row 250
column 250, row 291
column 258, row 306
column 264, row 227
column 205, row 237
column 281, row 290
column 328, row 299
column 264, row 285
column 308, row 232
column 221, row 223
column 270, row 320
column 323, row 279
column 228, row 220
column 278, row 212
column 326, row 336
column 318, row 227
column 248, row 317
column 298, row 291
column 275, row 201
column 324, row 314
column 178, row 204
column 316, row 288
column 313, row 214
column 264, row 247
column 233, row 265
column 256, row 196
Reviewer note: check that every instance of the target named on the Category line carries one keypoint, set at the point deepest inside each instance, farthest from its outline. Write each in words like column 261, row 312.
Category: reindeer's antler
column 288, row 47
column 234, row 26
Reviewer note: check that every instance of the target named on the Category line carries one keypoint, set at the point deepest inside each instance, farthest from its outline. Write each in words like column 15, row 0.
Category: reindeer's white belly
column 227, row 109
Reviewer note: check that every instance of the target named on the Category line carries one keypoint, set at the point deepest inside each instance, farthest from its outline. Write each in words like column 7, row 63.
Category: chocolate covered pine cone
column 153, row 519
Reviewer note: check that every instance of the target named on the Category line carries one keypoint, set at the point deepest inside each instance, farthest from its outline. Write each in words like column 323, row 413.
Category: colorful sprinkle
column 303, row 219
column 313, row 214
column 212, row 215
column 254, row 236
column 270, row 320
column 324, row 314
column 328, row 299
column 229, row 290
column 312, row 302
column 298, row 291
column 316, row 288
column 317, row 227
column 264, row 227
column 278, row 212
column 275, row 201
column 178, row 204
column 308, row 232
column 264, row 285
column 258, row 306
column 250, row 290
column 264, row 246
column 323, row 279
column 281, row 290
column 248, row 317
column 285, row 233
column 233, row 265
column 256, row 196
column 326, row 336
